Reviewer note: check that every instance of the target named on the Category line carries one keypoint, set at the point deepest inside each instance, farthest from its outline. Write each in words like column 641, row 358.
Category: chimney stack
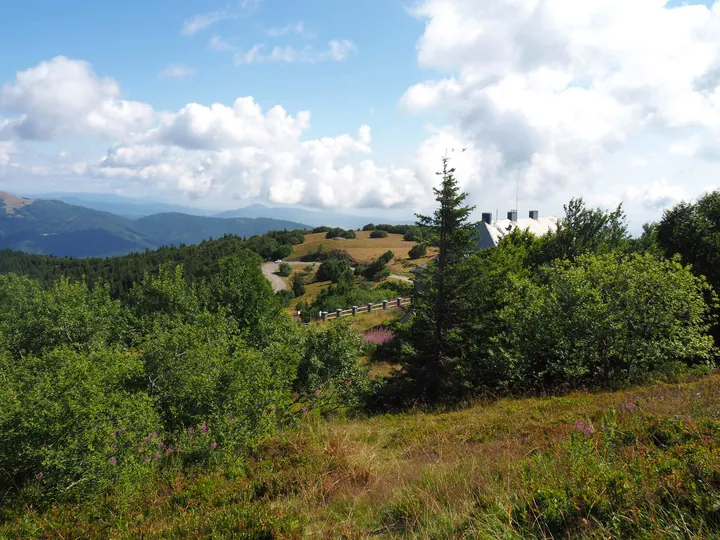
column 512, row 215
column 534, row 214
column 487, row 217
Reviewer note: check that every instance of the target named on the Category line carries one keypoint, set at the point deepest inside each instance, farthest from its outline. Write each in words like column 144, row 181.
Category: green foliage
column 332, row 270
column 369, row 227
column 298, row 285
column 418, row 251
column 71, row 423
column 692, row 231
column 439, row 308
column 375, row 270
column 602, row 319
column 282, row 252
column 340, row 233
column 329, row 372
column 284, row 296
column 378, row 234
column 285, row 269
column 583, row 230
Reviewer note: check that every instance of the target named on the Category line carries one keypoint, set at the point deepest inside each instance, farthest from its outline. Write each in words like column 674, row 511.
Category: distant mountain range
column 54, row 227
column 135, row 208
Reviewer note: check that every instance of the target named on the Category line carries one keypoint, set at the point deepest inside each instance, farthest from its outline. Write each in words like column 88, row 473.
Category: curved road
column 278, row 283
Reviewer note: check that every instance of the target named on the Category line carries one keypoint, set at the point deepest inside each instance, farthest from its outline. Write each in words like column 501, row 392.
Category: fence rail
column 367, row 308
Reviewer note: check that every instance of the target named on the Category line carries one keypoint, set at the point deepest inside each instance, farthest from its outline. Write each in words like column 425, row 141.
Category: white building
column 491, row 232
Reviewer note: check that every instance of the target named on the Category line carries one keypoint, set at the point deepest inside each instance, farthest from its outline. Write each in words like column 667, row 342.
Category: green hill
column 56, row 228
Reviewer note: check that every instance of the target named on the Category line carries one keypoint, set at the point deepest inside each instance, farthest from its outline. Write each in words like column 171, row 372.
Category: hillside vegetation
column 56, row 228
column 553, row 387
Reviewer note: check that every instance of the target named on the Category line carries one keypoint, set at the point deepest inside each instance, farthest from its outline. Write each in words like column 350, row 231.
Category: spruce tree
column 438, row 304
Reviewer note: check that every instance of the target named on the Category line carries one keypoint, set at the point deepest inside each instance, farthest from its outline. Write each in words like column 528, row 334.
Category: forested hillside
column 60, row 229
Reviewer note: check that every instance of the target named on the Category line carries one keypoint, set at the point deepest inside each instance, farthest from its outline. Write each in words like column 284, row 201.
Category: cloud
column 297, row 28
column 177, row 71
column 202, row 21
column 656, row 196
column 337, row 51
column 553, row 88
column 64, row 97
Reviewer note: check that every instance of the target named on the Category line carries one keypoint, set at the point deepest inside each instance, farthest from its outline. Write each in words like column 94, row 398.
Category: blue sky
column 133, row 41
column 615, row 101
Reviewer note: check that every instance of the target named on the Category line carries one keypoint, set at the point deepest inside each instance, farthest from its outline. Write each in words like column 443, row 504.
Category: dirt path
column 278, row 283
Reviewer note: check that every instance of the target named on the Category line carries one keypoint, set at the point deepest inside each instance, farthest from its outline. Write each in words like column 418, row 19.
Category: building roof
column 490, row 235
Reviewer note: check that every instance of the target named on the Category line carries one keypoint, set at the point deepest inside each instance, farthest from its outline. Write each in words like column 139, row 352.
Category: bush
column 282, row 252
column 298, row 285
column 369, row 227
column 378, row 234
column 604, row 319
column 340, row 233
column 332, row 270
column 382, row 274
column 418, row 251
column 285, row 269
column 284, row 296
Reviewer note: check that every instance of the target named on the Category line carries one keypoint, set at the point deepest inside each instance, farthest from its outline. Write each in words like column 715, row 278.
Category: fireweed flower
column 697, row 395
column 213, row 445
column 204, row 428
column 631, row 406
column 191, row 430
column 161, row 444
column 113, row 460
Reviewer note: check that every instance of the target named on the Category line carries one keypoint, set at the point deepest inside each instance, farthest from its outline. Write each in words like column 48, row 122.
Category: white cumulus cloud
column 64, row 97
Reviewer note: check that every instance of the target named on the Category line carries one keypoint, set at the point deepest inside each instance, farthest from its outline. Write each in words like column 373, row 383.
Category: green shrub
column 282, row 252
column 602, row 319
column 369, row 227
column 284, row 296
column 418, row 251
column 332, row 270
column 379, row 234
column 285, row 269
column 72, row 423
column 298, row 285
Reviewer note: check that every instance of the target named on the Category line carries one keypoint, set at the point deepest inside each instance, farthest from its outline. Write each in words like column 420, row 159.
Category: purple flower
column 204, row 428
column 579, row 426
column 146, row 460
column 121, row 431
column 191, row 430
column 169, row 450
column 161, row 444
column 697, row 395
column 147, row 439
column 631, row 406
column 230, row 419
column 304, row 410
column 113, row 460
column 378, row 336
column 114, row 446
column 157, row 455
column 213, row 445
column 155, row 435
column 589, row 430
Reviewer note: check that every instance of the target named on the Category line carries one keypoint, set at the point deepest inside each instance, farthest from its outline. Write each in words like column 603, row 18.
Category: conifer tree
column 438, row 306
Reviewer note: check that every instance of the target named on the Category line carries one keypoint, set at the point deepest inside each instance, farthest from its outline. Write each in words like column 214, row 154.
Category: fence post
column 354, row 308
column 369, row 306
column 338, row 312
column 399, row 301
column 385, row 304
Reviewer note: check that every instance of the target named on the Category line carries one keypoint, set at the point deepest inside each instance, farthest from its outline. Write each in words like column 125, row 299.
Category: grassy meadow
column 637, row 463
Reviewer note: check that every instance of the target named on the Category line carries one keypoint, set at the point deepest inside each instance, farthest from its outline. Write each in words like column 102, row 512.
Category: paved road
column 278, row 283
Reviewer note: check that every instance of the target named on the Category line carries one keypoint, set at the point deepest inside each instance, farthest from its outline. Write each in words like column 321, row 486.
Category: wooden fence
column 367, row 308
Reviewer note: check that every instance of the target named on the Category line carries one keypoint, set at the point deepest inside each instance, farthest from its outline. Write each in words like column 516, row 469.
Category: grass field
column 640, row 463
column 363, row 249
